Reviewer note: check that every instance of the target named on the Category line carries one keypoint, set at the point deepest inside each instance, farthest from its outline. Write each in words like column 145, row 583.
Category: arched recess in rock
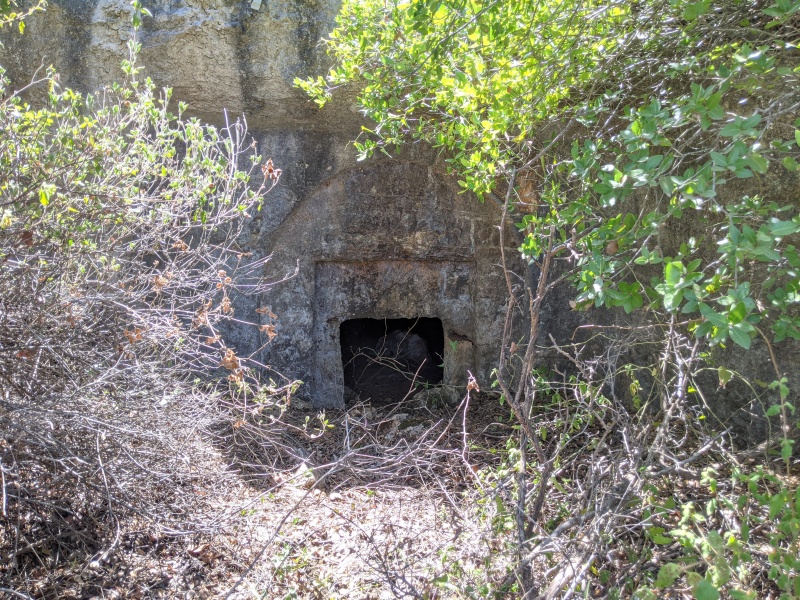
column 385, row 240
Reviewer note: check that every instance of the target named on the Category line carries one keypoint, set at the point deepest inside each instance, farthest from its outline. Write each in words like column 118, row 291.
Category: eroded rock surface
column 216, row 54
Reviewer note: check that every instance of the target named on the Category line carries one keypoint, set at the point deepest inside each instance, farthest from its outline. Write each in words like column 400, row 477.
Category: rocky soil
column 376, row 506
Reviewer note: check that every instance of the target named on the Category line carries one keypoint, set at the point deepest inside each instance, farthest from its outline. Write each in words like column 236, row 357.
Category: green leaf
column 714, row 318
column 667, row 185
column 673, row 272
column 703, row 329
column 731, row 130
column 725, row 376
column 786, row 449
column 740, row 337
column 692, row 578
column 705, row 590
column 797, row 136
column 656, row 535
column 738, row 313
column 695, row 9
column 720, row 160
column 758, row 163
column 46, row 193
column 667, row 575
column 715, row 541
column 783, row 228
column 776, row 505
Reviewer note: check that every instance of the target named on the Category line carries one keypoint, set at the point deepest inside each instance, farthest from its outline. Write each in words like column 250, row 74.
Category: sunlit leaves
column 671, row 112
column 473, row 78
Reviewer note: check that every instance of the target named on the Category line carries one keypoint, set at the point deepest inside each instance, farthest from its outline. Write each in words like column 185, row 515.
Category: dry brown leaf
column 270, row 172
column 159, row 281
column 201, row 316
column 266, row 311
column 229, row 360
column 134, row 335
column 198, row 550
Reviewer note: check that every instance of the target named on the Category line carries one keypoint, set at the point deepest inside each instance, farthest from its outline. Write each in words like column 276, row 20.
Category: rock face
column 391, row 240
column 216, row 54
column 383, row 239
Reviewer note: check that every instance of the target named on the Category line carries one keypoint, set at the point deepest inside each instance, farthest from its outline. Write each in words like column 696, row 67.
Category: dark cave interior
column 384, row 360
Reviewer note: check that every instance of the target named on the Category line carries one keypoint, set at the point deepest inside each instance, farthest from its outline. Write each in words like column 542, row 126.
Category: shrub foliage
column 648, row 153
column 120, row 259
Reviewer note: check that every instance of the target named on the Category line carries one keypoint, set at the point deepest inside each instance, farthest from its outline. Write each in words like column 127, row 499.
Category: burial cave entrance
column 384, row 360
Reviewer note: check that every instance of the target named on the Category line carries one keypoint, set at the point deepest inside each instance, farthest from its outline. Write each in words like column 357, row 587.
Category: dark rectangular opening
column 385, row 360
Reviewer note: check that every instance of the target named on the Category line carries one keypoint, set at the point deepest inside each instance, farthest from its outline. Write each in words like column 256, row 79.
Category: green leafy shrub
column 118, row 234
column 613, row 122
column 648, row 154
column 120, row 228
column 748, row 531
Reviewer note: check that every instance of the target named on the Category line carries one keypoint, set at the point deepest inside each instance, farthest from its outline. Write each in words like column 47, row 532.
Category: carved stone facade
column 390, row 240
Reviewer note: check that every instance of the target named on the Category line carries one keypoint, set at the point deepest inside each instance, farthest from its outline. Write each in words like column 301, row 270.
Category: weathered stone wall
column 215, row 54
column 381, row 239
column 389, row 240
